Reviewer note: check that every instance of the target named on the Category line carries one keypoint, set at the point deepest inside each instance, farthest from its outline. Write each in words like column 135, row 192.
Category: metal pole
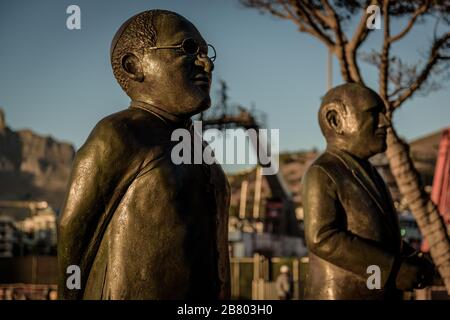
column 257, row 198
column 243, row 202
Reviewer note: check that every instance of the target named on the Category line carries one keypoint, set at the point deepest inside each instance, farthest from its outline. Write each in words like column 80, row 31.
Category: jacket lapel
column 384, row 203
column 391, row 208
column 363, row 178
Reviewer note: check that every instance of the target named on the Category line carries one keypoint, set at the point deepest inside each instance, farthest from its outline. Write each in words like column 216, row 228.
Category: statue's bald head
column 134, row 36
column 152, row 64
column 353, row 115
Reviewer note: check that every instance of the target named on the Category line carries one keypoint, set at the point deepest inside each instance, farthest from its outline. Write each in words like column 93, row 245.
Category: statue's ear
column 133, row 67
column 334, row 116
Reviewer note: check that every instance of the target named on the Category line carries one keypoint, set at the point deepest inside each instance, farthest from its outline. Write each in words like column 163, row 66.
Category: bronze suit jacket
column 139, row 226
column 350, row 224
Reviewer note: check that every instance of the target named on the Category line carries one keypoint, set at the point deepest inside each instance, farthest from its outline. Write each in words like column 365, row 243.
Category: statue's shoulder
column 125, row 140
column 324, row 169
column 326, row 161
column 127, row 129
column 111, row 132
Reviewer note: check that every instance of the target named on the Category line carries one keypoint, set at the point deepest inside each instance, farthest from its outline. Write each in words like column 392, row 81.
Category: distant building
column 8, row 237
column 247, row 237
column 27, row 228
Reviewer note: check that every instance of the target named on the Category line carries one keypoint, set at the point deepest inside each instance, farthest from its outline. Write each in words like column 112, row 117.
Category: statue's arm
column 99, row 173
column 325, row 231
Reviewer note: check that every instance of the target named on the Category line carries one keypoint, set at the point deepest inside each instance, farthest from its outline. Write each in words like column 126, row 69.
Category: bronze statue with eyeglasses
column 351, row 225
column 137, row 225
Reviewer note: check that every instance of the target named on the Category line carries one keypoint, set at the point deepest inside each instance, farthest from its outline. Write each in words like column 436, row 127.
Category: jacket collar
column 166, row 117
column 363, row 177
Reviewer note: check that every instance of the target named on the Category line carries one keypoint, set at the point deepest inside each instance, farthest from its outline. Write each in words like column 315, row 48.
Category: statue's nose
column 204, row 61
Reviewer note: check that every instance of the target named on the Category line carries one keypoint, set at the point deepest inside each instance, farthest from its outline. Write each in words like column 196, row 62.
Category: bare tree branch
column 359, row 36
column 315, row 30
column 372, row 58
column 361, row 31
column 262, row 6
column 341, row 42
column 384, row 57
column 306, row 18
column 397, row 75
column 323, row 19
column 397, row 91
column 419, row 11
column 433, row 59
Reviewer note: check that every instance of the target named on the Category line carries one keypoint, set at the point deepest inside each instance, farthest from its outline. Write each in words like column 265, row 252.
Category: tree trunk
column 429, row 220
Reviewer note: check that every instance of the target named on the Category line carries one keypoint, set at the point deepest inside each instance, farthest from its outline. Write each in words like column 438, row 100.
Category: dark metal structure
column 224, row 116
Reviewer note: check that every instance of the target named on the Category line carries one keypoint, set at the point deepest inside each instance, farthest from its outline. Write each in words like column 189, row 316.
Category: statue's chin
column 378, row 149
column 382, row 146
column 204, row 105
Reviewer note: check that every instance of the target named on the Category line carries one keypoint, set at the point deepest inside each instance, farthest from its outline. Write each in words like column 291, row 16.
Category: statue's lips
column 202, row 80
column 381, row 134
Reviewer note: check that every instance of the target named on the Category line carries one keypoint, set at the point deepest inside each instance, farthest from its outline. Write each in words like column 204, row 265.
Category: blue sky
column 59, row 82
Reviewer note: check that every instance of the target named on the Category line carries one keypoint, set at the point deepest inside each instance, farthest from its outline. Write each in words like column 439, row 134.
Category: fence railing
column 254, row 278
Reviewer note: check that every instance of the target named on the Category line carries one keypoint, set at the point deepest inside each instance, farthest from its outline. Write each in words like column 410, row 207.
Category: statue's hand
column 415, row 272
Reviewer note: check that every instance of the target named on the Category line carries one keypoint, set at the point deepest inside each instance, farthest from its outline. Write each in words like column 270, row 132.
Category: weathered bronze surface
column 139, row 226
column 350, row 219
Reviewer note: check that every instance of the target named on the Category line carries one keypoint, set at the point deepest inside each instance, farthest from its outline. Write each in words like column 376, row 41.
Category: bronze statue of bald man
column 138, row 225
column 350, row 220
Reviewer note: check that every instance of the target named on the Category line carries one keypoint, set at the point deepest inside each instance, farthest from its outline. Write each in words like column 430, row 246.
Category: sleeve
column 326, row 234
column 100, row 175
